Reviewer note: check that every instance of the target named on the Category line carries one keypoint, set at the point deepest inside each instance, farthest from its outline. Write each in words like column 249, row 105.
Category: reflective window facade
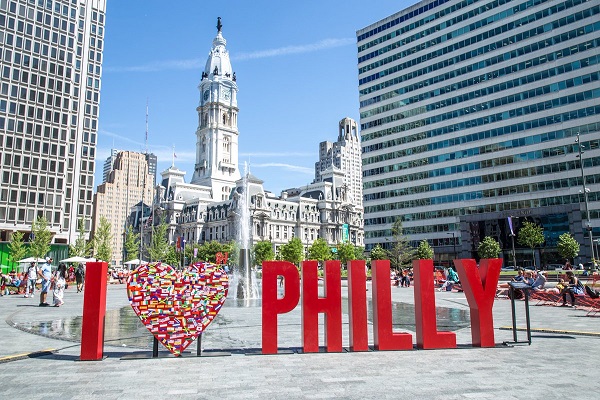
column 473, row 108
column 50, row 67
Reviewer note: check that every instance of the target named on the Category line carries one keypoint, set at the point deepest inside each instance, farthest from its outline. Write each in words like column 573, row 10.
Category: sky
column 296, row 69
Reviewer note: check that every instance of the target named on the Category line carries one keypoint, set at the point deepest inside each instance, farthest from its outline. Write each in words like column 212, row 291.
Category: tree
column 424, row 251
column 132, row 244
column 531, row 235
column 103, row 241
column 81, row 247
column 16, row 247
column 293, row 251
column 568, row 248
column 39, row 246
column 172, row 257
column 359, row 253
column 263, row 251
column 320, row 251
column 401, row 254
column 159, row 245
column 378, row 253
column 208, row 250
column 488, row 248
column 345, row 253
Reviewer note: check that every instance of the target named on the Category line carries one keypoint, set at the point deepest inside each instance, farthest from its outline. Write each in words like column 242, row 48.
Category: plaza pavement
column 39, row 365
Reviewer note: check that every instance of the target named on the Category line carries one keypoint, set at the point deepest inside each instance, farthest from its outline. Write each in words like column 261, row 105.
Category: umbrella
column 32, row 259
column 75, row 259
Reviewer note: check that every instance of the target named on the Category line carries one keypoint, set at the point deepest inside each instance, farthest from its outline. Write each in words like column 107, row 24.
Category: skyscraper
column 51, row 65
column 472, row 114
column 108, row 164
column 130, row 182
column 344, row 154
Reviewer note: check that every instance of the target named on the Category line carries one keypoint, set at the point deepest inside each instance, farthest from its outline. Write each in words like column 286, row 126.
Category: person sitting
column 574, row 287
column 528, row 278
column 451, row 280
column 540, row 281
column 594, row 294
column 519, row 277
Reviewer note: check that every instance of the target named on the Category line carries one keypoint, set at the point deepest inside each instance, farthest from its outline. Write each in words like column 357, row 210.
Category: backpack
column 79, row 272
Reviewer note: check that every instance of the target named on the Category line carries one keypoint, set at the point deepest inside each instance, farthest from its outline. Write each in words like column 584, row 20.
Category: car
column 590, row 266
column 553, row 267
column 509, row 268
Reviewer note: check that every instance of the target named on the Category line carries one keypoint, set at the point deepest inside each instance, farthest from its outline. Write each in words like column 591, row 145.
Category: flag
column 510, row 225
column 174, row 155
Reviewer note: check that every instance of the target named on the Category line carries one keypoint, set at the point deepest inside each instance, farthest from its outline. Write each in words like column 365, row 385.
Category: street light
column 585, row 196
column 453, row 242
column 512, row 239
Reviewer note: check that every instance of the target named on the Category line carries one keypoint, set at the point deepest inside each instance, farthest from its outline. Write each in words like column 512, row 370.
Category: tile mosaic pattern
column 177, row 306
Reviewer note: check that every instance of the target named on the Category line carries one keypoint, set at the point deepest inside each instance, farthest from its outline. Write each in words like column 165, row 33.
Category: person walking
column 32, row 275
column 60, row 281
column 45, row 272
column 79, row 277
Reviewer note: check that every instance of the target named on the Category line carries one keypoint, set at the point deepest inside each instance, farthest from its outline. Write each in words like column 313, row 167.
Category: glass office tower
column 472, row 115
column 50, row 64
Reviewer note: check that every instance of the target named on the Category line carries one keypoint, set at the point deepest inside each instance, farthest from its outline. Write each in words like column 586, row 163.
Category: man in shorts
column 45, row 273
column 32, row 275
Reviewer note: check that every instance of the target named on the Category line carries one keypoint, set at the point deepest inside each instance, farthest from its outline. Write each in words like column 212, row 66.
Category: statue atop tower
column 217, row 132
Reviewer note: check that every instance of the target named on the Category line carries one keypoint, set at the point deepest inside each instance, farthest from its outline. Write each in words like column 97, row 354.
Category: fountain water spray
column 245, row 286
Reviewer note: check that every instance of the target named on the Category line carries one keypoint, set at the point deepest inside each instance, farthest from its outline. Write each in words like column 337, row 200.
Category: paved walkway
column 552, row 367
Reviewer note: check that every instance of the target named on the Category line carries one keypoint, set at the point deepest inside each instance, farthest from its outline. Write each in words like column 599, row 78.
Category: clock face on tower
column 226, row 93
column 206, row 94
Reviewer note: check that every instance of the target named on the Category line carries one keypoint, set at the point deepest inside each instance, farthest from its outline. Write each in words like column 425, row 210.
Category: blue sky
column 296, row 69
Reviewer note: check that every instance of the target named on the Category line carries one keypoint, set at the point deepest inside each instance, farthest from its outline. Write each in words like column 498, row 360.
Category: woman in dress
column 60, row 280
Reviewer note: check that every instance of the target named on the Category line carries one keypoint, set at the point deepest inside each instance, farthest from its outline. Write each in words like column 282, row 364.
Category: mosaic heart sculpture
column 177, row 306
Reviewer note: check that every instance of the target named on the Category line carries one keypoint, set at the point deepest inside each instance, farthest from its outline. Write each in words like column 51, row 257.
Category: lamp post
column 453, row 242
column 585, row 196
column 512, row 240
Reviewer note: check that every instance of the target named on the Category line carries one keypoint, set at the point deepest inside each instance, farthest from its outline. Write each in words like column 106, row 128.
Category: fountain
column 244, row 285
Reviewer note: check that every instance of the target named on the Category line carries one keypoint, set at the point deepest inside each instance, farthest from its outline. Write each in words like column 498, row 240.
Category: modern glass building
column 51, row 65
column 473, row 113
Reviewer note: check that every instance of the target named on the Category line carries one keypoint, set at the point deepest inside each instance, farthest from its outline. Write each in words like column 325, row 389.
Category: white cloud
column 197, row 63
column 306, row 48
column 178, row 65
column 289, row 167
column 276, row 154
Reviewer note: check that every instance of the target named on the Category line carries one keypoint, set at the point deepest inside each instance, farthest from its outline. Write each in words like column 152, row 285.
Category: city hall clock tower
column 217, row 133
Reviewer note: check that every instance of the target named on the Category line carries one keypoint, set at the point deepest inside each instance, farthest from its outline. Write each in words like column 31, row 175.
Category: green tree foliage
column 263, row 251
column 488, row 248
column 568, row 248
column 378, row 253
column 359, row 253
column 132, row 244
column 208, row 250
column 159, row 245
column 172, row 257
column 401, row 253
column 40, row 245
column 531, row 235
column 424, row 251
column 103, row 241
column 16, row 248
column 81, row 248
column 293, row 251
column 345, row 253
column 319, row 251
